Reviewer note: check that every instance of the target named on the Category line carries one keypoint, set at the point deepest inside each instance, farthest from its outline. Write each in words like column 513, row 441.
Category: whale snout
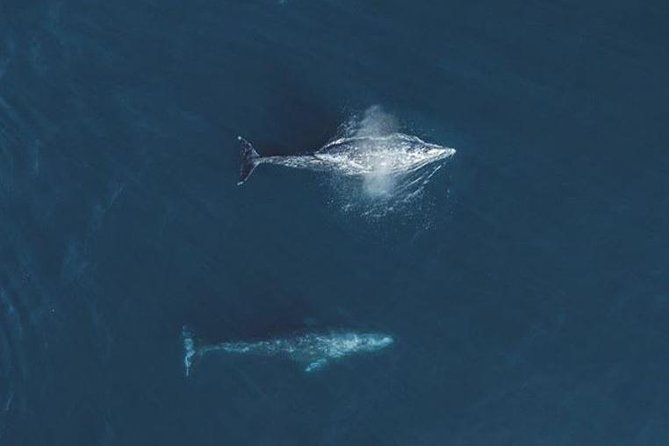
column 384, row 341
column 375, row 342
column 387, row 340
column 440, row 152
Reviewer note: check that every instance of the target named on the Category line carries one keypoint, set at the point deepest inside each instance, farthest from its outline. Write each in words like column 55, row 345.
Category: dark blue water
column 528, row 288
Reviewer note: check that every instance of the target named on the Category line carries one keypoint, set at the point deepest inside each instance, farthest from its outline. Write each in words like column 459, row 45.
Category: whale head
column 432, row 152
column 374, row 342
column 398, row 153
column 362, row 342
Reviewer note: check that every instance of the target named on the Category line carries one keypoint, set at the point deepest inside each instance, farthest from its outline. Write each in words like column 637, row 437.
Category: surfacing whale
column 312, row 350
column 391, row 154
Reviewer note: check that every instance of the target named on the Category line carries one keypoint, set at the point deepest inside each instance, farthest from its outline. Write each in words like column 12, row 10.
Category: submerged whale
column 395, row 153
column 311, row 350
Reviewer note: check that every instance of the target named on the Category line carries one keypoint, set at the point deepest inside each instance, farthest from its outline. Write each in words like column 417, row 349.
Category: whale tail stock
column 250, row 159
column 190, row 349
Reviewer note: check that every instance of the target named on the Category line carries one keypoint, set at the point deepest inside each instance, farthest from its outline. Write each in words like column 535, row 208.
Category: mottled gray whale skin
column 312, row 350
column 391, row 154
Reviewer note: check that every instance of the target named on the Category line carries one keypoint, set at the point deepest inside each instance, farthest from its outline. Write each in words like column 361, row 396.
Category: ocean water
column 526, row 281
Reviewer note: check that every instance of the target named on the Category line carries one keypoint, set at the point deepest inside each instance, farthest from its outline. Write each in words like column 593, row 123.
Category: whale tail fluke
column 190, row 350
column 250, row 159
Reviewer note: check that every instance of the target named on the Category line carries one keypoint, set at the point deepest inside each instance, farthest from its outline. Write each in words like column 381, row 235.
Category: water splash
column 374, row 122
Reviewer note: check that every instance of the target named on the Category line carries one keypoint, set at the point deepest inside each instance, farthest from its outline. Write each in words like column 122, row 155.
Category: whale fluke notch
column 249, row 160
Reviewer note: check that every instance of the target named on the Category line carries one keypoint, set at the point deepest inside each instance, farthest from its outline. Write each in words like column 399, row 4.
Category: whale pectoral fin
column 316, row 365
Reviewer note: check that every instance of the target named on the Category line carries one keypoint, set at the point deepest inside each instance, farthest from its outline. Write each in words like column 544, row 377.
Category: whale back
column 389, row 154
column 398, row 142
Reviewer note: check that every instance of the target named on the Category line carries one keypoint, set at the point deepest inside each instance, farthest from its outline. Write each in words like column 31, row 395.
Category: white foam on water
column 379, row 184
